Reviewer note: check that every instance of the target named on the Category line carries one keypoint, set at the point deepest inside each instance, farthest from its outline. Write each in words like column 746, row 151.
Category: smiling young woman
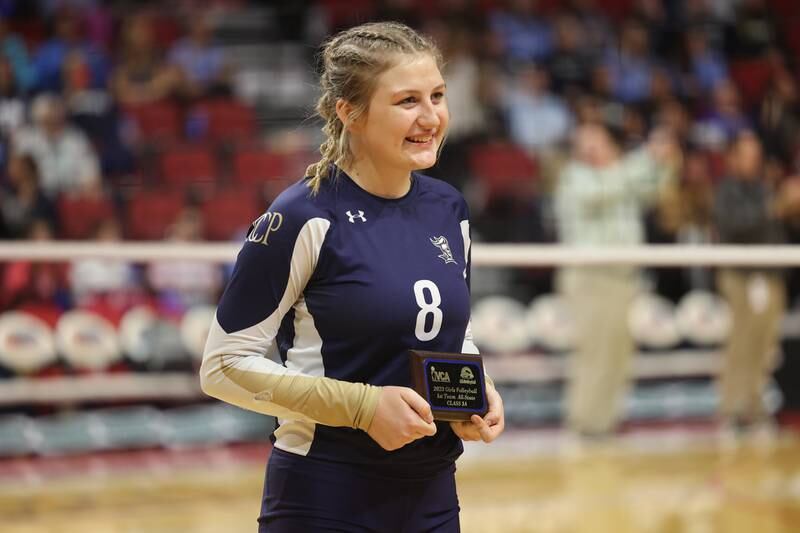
column 402, row 129
column 342, row 276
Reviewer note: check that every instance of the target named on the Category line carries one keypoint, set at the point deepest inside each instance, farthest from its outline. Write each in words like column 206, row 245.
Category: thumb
column 418, row 404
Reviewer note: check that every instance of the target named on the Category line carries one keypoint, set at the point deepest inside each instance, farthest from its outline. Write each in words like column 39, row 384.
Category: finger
column 495, row 413
column 418, row 404
column 493, row 416
column 486, row 433
column 470, row 431
column 419, row 428
column 465, row 431
column 428, row 429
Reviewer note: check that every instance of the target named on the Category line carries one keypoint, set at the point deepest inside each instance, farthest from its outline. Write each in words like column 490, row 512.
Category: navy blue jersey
column 342, row 284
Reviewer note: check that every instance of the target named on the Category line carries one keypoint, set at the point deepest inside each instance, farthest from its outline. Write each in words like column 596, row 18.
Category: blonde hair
column 351, row 63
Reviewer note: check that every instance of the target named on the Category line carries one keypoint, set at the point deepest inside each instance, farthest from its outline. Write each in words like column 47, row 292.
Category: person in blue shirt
column 49, row 59
column 348, row 269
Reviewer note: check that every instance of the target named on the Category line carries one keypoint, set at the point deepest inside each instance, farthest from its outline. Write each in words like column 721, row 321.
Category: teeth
column 420, row 139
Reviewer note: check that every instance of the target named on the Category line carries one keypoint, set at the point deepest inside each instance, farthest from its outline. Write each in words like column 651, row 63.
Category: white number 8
column 426, row 308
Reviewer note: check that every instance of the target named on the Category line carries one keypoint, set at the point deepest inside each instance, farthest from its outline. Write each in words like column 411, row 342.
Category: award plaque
column 452, row 383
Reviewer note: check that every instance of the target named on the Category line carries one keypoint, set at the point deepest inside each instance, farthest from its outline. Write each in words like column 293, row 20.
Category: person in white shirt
column 66, row 160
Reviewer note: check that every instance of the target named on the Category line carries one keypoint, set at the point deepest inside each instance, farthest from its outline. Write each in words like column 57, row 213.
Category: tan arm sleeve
column 259, row 384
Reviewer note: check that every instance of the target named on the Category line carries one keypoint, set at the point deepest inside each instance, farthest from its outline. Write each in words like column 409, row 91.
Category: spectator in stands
column 683, row 215
column 653, row 16
column 205, row 70
column 98, row 23
column 631, row 67
column 724, row 121
column 107, row 286
column 22, row 201
column 35, row 286
column 181, row 284
column 94, row 112
column 675, row 116
column 599, row 201
column 571, row 64
column 747, row 211
column 14, row 50
column 779, row 118
column 706, row 66
column 67, row 38
column 466, row 93
column 464, row 74
column 537, row 119
column 141, row 76
column 523, row 34
column 753, row 32
column 594, row 22
column 66, row 160
column 12, row 107
column 699, row 16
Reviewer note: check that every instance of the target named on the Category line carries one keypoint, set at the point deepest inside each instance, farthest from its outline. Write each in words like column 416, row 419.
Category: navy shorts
column 303, row 494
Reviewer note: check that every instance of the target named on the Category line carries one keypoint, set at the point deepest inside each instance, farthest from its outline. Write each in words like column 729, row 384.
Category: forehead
column 410, row 73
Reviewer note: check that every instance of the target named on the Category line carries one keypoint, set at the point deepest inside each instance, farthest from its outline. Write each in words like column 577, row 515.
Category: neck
column 383, row 182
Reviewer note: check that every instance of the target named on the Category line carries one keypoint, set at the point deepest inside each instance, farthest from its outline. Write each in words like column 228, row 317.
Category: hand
column 487, row 428
column 402, row 416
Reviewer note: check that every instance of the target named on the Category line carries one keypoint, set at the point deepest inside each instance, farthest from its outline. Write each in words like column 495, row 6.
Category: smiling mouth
column 420, row 140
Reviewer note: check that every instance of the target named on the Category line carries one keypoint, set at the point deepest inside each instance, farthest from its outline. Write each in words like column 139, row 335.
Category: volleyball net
column 118, row 330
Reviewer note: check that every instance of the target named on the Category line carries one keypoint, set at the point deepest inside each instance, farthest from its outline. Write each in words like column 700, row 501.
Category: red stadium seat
column 254, row 165
column 616, row 9
column 792, row 33
column 784, row 9
column 79, row 216
column 341, row 13
column 225, row 120
column 32, row 29
column 166, row 30
column 229, row 211
column 151, row 212
column 156, row 122
column 753, row 78
column 188, row 164
column 502, row 168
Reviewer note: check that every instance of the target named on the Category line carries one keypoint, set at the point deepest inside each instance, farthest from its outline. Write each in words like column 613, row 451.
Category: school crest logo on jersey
column 269, row 223
column 444, row 247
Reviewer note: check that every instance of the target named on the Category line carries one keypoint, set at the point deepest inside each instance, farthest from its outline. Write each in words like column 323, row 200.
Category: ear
column 343, row 111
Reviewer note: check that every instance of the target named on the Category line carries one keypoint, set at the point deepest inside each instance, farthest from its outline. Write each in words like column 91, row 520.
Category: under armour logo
column 359, row 215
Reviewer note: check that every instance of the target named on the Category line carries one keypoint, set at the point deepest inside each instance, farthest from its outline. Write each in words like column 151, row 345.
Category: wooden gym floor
column 661, row 483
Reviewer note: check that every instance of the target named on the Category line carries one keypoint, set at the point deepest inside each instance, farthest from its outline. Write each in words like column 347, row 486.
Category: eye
column 409, row 100
column 437, row 96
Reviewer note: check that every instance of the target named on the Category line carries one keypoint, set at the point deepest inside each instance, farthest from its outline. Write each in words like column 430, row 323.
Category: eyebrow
column 440, row 86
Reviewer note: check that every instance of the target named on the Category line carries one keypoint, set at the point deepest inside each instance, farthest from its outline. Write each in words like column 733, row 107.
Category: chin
column 421, row 163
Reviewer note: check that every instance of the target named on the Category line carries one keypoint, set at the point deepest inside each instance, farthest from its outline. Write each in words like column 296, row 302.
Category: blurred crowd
column 138, row 120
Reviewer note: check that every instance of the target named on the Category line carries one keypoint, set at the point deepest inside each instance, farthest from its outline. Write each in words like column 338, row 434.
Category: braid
column 352, row 62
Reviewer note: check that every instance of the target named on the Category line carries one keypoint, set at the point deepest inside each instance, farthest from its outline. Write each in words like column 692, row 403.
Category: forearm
column 236, row 370
column 261, row 385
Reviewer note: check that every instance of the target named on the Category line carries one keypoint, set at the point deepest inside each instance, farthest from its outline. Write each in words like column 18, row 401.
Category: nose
column 428, row 117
